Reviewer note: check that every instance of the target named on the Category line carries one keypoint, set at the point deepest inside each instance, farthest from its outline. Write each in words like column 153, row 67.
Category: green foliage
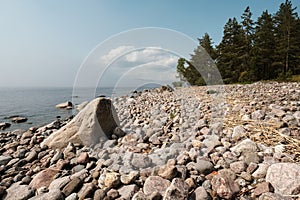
column 267, row 49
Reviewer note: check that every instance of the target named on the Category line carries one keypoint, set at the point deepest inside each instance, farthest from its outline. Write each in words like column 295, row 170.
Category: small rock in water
column 19, row 119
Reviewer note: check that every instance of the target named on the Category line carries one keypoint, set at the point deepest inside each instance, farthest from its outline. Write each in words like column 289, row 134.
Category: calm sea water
column 38, row 104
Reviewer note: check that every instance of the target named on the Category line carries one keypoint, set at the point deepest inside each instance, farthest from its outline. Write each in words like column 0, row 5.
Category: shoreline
column 189, row 140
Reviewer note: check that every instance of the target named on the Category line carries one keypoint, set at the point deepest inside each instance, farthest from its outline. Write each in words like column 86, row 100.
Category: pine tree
column 207, row 44
column 286, row 20
column 230, row 54
column 246, row 45
column 263, row 49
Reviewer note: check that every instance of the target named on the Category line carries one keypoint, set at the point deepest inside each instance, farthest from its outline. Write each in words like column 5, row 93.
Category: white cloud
column 114, row 53
column 137, row 66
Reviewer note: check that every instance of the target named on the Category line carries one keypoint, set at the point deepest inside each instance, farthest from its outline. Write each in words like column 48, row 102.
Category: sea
column 38, row 104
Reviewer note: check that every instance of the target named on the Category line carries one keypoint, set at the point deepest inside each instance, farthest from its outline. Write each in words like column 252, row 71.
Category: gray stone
column 72, row 196
column 99, row 194
column 19, row 192
column 59, row 183
column 273, row 196
column 204, row 166
column 258, row 115
column 127, row 191
column 278, row 112
column 244, row 146
column 201, row 194
column 4, row 160
column 95, row 123
column 19, row 119
column 141, row 160
column 4, row 125
column 285, row 178
column 261, row 171
column 139, row 196
column 64, row 105
column 211, row 141
column 51, row 195
column 238, row 132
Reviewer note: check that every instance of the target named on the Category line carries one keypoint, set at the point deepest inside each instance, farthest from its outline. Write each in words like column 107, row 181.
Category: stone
column 285, row 178
column 95, row 123
column 127, row 191
column 129, row 178
column 141, row 160
column 19, row 192
column 81, row 105
column 238, row 132
column 261, row 171
column 51, row 195
column 196, row 143
column 168, row 171
column 72, row 196
column 4, row 125
column 238, row 167
column 112, row 194
column 64, row 105
column 26, row 180
column 87, row 190
column 250, row 157
column 112, row 180
column 224, row 186
column 43, row 178
column 19, row 119
column 273, row 196
column 191, row 183
column 252, row 167
column 58, row 155
column 32, row 155
column 258, row 115
column 204, row 166
column 262, row 188
column 155, row 196
column 278, row 112
column 244, row 146
column 200, row 194
column 4, row 159
column 60, row 183
column 211, row 141
column 178, row 190
column 139, row 196
column 72, row 186
column 155, row 184
column 99, row 194
column 83, row 158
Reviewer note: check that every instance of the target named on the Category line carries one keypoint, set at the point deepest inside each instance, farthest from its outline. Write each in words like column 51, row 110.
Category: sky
column 51, row 43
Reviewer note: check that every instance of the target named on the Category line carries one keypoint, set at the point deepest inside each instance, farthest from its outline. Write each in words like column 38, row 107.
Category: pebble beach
column 218, row 142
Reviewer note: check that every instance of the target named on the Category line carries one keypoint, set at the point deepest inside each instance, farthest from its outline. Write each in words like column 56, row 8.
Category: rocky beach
column 218, row 142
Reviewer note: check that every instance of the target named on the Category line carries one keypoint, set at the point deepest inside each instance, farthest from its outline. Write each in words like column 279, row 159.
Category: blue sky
column 43, row 43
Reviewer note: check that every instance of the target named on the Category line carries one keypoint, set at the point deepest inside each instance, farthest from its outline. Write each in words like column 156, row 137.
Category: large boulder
column 285, row 178
column 96, row 123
